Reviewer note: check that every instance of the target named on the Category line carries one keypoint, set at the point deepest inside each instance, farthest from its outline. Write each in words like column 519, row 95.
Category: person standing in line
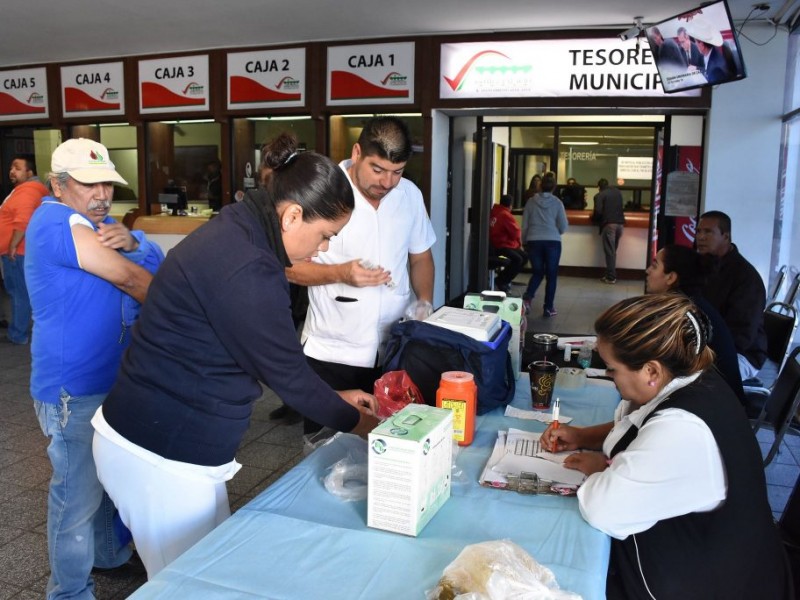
column 543, row 221
column 505, row 238
column 379, row 266
column 736, row 290
column 608, row 214
column 213, row 329
column 15, row 214
column 87, row 275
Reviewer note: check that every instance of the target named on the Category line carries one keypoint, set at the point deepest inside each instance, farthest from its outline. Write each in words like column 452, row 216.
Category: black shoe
column 133, row 568
column 286, row 414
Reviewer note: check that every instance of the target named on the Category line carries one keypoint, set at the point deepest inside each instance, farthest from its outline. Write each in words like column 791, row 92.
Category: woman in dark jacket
column 216, row 323
column 681, row 269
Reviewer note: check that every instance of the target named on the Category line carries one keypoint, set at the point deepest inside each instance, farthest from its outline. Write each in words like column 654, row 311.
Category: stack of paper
column 517, row 451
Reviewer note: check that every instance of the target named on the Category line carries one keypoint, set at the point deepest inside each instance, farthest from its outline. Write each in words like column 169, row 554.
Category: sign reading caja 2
column 371, row 74
column 93, row 90
column 267, row 78
column 23, row 94
column 549, row 68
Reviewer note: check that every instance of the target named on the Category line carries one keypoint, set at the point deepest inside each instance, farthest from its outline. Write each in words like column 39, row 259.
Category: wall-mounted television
column 696, row 48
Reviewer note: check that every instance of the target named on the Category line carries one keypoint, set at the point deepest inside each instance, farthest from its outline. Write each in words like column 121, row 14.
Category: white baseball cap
column 85, row 161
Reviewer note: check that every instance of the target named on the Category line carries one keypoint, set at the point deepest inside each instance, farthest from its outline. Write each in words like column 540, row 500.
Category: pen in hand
column 554, row 424
column 556, row 412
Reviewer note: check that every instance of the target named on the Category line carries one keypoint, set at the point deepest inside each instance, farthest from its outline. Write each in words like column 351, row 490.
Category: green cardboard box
column 410, row 456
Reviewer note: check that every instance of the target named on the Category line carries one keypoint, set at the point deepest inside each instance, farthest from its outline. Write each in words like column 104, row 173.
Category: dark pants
column 517, row 259
column 341, row 377
column 544, row 256
column 611, row 234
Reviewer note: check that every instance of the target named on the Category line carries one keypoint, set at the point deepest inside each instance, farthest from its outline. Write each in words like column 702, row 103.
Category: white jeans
column 167, row 512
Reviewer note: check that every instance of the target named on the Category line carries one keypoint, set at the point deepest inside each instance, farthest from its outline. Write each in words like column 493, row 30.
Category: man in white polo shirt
column 378, row 265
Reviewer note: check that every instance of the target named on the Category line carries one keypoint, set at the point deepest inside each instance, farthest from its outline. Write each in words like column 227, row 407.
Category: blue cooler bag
column 426, row 351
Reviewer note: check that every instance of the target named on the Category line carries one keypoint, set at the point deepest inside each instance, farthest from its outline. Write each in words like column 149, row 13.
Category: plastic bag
column 347, row 478
column 394, row 390
column 312, row 441
column 497, row 570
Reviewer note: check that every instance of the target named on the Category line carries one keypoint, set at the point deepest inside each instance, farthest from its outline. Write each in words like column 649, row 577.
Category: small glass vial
column 585, row 355
column 458, row 392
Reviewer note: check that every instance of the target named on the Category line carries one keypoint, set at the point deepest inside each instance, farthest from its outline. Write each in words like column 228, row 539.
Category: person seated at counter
column 681, row 269
column 677, row 478
column 214, row 326
column 534, row 187
column 573, row 195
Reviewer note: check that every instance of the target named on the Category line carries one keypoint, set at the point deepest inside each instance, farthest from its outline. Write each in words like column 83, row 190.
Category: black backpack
column 426, row 351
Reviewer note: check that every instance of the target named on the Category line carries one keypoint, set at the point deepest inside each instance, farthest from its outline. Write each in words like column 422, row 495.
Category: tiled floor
column 269, row 449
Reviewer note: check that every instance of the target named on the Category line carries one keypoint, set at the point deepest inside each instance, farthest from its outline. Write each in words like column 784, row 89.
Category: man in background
column 87, row 275
column 735, row 290
column 689, row 50
column 378, row 266
column 505, row 238
column 608, row 214
column 15, row 213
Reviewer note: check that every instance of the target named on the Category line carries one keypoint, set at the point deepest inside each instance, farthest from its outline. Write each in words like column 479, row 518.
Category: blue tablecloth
column 297, row 541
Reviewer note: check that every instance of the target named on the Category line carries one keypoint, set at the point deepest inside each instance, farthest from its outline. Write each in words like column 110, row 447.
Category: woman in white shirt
column 677, row 479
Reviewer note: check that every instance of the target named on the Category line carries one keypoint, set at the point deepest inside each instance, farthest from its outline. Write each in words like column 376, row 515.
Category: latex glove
column 419, row 310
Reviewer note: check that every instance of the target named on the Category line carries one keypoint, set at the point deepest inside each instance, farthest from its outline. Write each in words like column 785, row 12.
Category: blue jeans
column 80, row 516
column 544, row 256
column 19, row 325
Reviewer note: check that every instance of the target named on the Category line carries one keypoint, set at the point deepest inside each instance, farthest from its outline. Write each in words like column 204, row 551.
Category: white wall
column 743, row 139
column 438, row 201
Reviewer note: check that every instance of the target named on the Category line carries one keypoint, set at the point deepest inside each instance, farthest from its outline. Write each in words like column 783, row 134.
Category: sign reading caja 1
column 549, row 68
column 173, row 84
column 267, row 78
column 371, row 74
column 93, row 90
column 23, row 94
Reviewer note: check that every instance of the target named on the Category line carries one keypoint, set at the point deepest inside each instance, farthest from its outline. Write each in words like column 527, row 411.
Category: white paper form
column 519, row 451
column 534, row 415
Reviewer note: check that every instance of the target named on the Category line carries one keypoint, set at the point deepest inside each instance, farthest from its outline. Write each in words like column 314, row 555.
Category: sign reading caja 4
column 89, row 90
column 371, row 74
column 174, row 84
column 23, row 94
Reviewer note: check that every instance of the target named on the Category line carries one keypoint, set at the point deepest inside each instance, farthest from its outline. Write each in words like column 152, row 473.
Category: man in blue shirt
column 86, row 275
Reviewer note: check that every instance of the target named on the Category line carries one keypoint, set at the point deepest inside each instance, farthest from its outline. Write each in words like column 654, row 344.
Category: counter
column 167, row 231
column 581, row 246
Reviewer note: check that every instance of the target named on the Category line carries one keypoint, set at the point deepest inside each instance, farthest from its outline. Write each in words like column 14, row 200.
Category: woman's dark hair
column 548, row 182
column 534, row 180
column 311, row 180
column 691, row 268
column 667, row 328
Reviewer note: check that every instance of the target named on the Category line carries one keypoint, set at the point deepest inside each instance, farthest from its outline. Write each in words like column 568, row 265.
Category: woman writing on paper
column 677, row 479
